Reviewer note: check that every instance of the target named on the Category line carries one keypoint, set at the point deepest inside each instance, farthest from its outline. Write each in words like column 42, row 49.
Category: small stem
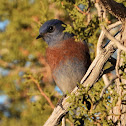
column 80, row 10
column 41, row 91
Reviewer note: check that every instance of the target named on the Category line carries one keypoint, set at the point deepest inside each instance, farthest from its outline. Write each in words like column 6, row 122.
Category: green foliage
column 22, row 58
column 84, row 28
column 82, row 105
column 121, row 1
column 21, row 53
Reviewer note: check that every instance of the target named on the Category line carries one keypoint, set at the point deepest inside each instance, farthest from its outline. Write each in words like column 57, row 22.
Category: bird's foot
column 60, row 101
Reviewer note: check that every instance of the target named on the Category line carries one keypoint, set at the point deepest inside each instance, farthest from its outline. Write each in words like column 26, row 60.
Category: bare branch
column 118, row 63
column 98, row 9
column 95, row 62
column 104, row 89
column 102, row 36
column 102, row 14
column 105, row 79
column 63, row 121
column 114, row 25
column 115, row 41
column 106, row 86
column 100, row 42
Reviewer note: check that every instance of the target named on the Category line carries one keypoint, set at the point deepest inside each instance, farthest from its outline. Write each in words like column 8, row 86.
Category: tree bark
column 119, row 11
column 116, row 9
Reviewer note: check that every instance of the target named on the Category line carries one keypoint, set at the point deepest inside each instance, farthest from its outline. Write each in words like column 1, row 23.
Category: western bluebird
column 68, row 60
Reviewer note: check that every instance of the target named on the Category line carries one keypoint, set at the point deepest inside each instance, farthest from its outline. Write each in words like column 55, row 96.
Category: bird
column 69, row 60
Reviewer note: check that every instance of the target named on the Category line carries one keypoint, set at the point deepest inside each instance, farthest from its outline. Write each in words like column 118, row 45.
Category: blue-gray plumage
column 68, row 60
column 52, row 32
column 68, row 74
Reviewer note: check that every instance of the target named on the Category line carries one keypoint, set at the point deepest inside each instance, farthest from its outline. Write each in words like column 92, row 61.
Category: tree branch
column 101, row 14
column 95, row 62
column 114, row 25
column 41, row 91
column 116, row 9
column 115, row 41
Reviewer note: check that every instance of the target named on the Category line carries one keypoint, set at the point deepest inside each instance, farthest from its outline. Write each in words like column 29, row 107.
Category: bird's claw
column 60, row 101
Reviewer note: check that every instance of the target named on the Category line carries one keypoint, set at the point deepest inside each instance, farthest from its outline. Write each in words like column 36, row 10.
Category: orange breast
column 67, row 50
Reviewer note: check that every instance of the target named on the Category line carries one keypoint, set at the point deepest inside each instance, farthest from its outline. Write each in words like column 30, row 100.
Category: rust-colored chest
column 69, row 49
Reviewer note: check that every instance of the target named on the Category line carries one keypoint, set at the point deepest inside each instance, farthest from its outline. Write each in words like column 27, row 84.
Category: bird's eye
column 50, row 29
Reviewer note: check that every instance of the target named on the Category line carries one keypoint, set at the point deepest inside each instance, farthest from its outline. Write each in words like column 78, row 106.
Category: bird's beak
column 40, row 36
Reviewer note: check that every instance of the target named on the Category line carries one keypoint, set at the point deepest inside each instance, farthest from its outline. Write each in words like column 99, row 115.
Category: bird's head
column 52, row 32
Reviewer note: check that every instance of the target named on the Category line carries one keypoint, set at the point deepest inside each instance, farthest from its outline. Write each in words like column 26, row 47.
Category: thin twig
column 115, row 41
column 106, row 86
column 102, row 15
column 98, row 9
column 118, row 63
column 63, row 121
column 110, row 27
column 41, row 91
column 102, row 36
column 100, row 42
column 71, row 124
column 105, row 79
column 104, row 89
column 118, row 83
column 80, row 10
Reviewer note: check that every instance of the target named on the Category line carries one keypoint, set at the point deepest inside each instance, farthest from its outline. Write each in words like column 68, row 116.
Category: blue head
column 52, row 32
